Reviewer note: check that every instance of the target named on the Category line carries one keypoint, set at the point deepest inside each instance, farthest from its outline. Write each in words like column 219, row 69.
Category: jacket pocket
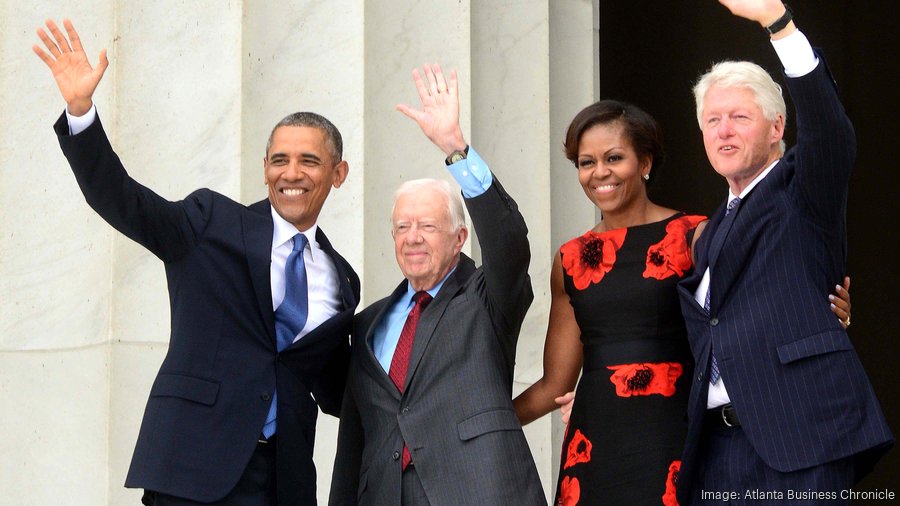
column 185, row 387
column 816, row 344
column 488, row 421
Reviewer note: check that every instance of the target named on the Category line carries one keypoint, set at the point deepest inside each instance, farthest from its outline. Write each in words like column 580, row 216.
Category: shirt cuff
column 472, row 174
column 796, row 54
column 78, row 124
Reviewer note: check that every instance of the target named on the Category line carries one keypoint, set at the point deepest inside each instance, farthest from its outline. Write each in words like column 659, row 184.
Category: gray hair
column 310, row 119
column 743, row 74
column 454, row 203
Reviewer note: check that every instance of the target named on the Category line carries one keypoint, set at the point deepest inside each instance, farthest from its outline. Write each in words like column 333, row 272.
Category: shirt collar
column 284, row 231
column 433, row 292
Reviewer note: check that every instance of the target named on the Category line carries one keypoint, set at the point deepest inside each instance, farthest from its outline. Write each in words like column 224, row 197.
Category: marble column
column 55, row 278
column 192, row 92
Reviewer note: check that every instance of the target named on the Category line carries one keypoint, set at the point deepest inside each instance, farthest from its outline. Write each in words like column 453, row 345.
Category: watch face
column 456, row 156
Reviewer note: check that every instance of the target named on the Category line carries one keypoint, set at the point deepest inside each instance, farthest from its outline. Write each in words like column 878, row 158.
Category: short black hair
column 310, row 119
column 639, row 127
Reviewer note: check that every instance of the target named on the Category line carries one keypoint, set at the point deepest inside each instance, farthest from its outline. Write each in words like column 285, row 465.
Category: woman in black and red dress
column 615, row 317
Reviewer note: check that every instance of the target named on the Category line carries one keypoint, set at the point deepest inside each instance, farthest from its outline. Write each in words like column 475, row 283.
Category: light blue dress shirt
column 472, row 174
column 474, row 177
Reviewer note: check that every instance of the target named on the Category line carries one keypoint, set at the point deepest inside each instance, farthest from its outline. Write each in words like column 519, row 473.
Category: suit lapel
column 730, row 263
column 348, row 296
column 371, row 361
column 704, row 243
column 720, row 236
column 435, row 311
column 689, row 284
column 257, row 229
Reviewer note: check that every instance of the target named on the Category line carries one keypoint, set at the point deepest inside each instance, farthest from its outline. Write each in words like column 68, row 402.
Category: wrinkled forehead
column 420, row 205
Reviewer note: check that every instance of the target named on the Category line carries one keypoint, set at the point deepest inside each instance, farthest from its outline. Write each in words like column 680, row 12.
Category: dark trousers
column 256, row 487
column 729, row 469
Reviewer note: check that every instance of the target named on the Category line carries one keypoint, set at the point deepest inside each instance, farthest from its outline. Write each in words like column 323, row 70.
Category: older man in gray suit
column 427, row 417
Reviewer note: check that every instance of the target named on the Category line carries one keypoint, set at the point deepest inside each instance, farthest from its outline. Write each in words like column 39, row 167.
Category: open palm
column 69, row 64
column 439, row 116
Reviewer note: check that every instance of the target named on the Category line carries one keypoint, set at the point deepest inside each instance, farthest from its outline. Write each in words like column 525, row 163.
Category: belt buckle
column 724, row 417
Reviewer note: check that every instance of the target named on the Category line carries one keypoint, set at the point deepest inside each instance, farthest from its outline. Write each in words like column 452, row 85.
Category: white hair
column 454, row 203
column 743, row 74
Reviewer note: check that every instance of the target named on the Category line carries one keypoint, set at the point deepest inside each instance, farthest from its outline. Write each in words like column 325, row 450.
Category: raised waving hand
column 439, row 116
column 764, row 12
column 74, row 75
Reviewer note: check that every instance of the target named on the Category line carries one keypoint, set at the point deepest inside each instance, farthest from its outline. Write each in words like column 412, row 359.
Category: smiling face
column 609, row 170
column 300, row 172
column 426, row 244
column 740, row 142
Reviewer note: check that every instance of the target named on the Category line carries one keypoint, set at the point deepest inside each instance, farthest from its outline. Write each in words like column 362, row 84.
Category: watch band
column 781, row 22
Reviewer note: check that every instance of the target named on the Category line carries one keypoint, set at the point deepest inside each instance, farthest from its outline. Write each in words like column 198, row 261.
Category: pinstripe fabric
column 731, row 465
column 455, row 414
column 791, row 371
column 713, row 365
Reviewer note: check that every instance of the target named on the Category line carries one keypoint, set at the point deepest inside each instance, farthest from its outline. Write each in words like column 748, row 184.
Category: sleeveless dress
column 626, row 432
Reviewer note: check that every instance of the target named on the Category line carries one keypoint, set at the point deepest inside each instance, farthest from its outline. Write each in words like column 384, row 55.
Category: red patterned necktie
column 400, row 360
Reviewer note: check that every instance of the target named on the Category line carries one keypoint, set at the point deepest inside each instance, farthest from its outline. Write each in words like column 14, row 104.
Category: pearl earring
column 646, row 177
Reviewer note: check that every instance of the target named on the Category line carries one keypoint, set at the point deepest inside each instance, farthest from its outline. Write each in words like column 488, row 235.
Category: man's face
column 425, row 243
column 300, row 171
column 740, row 142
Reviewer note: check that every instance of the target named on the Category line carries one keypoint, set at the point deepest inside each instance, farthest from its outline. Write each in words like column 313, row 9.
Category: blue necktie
column 290, row 317
column 714, row 366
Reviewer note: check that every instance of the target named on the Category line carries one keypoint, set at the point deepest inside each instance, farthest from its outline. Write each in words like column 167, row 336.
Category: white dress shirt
column 323, row 289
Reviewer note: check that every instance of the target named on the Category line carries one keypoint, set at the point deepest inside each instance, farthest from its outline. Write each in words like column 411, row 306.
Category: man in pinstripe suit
column 781, row 408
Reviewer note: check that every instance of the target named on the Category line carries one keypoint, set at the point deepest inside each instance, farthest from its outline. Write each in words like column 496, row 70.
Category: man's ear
column 778, row 129
column 461, row 237
column 341, row 170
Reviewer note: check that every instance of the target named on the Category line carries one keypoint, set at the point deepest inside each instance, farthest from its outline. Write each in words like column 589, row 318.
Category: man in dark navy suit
column 261, row 306
column 781, row 408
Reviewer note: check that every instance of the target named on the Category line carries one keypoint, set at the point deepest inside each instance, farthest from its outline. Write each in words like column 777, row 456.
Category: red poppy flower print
column 668, row 498
column 671, row 256
column 645, row 379
column 579, row 450
column 569, row 492
column 588, row 258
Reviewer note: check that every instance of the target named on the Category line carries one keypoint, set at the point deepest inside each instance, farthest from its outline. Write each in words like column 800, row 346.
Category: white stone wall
column 192, row 91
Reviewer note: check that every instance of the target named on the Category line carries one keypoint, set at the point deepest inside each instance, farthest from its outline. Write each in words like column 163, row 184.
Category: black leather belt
column 723, row 416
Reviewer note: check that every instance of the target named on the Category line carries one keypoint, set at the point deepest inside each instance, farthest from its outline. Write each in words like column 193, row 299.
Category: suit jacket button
column 396, row 455
column 406, row 409
column 265, row 396
column 714, row 322
column 700, row 377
